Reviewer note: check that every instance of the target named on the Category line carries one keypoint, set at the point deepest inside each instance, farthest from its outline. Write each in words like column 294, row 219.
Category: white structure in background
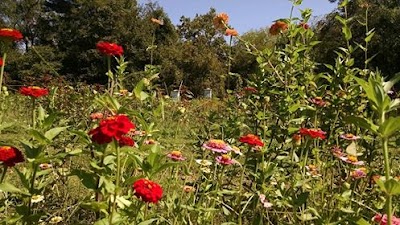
column 175, row 95
column 207, row 93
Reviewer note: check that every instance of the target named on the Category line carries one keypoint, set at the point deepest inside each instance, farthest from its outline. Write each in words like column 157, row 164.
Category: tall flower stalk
column 2, row 71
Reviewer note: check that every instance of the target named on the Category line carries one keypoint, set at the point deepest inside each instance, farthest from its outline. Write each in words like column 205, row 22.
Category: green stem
column 32, row 188
column 229, row 59
column 33, row 113
column 3, row 174
column 389, row 209
column 2, row 71
column 117, row 182
column 110, row 77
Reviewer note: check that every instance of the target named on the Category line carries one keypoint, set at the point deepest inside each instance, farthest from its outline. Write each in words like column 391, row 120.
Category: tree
column 382, row 16
column 198, row 59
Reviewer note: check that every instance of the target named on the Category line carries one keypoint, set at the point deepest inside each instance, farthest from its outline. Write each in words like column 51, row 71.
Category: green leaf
column 147, row 222
column 52, row 133
column 363, row 123
column 88, row 179
column 369, row 36
column 367, row 88
column 7, row 187
column 40, row 137
column 347, row 33
column 392, row 187
column 362, row 222
column 389, row 127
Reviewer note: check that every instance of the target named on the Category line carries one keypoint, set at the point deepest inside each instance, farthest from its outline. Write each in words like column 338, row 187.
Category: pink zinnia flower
column 359, row 173
column 224, row 160
column 176, row 156
column 382, row 220
column 218, row 146
column 352, row 160
column 318, row 101
column 350, row 137
column 337, row 151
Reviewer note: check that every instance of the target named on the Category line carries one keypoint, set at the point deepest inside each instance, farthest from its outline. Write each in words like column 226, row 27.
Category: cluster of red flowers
column 10, row 156
column 33, row 91
column 147, row 190
column 313, row 133
column 109, row 49
column 10, row 34
column 252, row 140
column 277, row 27
column 113, row 127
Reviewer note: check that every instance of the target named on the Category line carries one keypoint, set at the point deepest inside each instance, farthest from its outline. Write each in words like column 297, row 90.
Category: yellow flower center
column 225, row 157
column 352, row 158
column 214, row 143
column 176, row 153
column 349, row 135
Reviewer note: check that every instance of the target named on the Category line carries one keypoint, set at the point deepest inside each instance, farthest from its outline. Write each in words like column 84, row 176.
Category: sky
column 244, row 15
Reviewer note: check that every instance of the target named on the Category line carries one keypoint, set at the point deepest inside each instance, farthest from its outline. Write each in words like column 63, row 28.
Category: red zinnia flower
column 10, row 156
column 33, row 91
column 147, row 190
column 277, row 27
column 251, row 139
column 111, row 127
column 126, row 141
column 1, row 62
column 109, row 49
column 313, row 133
column 9, row 34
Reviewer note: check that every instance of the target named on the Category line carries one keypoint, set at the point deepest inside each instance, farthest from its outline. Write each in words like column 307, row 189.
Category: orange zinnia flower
column 157, row 21
column 231, row 32
column 221, row 20
column 277, row 27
